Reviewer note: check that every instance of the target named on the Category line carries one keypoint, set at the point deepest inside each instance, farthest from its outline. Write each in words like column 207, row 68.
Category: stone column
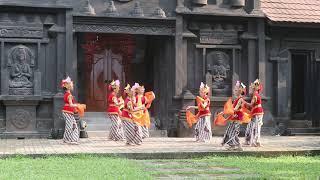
column 262, row 52
column 252, row 57
column 180, row 63
column 58, row 122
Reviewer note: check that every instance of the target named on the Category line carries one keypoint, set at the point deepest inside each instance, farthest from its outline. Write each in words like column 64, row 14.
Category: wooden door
column 104, row 66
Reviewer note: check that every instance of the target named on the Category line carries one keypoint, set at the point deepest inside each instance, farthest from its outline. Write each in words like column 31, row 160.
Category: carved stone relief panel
column 22, row 118
column 219, row 73
column 216, row 33
column 20, row 61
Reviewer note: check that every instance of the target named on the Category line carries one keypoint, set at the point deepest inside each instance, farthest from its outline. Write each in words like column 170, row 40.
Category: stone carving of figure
column 20, row 72
column 219, row 70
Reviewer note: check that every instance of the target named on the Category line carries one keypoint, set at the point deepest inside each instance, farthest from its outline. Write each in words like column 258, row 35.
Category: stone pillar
column 180, row 63
column 252, row 57
column 262, row 52
column 58, row 122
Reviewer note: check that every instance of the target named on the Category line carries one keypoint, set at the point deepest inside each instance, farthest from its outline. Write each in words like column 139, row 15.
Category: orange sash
column 150, row 96
column 246, row 116
column 80, row 109
column 228, row 107
column 220, row 120
column 191, row 118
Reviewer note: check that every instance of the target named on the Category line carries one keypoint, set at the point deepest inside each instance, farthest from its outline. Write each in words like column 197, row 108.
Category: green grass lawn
column 71, row 167
column 96, row 167
column 285, row 167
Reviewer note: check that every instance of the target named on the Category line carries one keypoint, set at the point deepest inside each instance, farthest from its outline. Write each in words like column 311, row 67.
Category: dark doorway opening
column 298, row 91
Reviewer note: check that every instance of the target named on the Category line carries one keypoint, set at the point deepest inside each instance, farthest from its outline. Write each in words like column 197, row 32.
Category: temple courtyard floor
column 160, row 148
column 293, row 157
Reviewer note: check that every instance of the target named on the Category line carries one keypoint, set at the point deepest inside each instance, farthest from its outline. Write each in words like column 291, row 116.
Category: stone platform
column 159, row 148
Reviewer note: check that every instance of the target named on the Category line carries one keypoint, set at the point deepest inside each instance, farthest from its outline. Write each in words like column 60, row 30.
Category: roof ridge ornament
column 111, row 9
column 159, row 13
column 88, row 9
column 137, row 10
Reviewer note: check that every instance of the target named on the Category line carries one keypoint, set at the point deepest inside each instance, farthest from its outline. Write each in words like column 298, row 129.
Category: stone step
column 95, row 114
column 98, row 127
column 304, row 130
column 306, row 134
column 298, row 124
column 97, row 120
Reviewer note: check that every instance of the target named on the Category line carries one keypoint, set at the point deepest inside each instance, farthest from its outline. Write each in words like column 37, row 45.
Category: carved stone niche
column 238, row 3
column 20, row 63
column 200, row 2
column 218, row 74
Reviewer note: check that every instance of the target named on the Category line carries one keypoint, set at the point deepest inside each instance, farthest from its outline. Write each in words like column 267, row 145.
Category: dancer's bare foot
column 74, row 143
column 257, row 144
column 230, row 148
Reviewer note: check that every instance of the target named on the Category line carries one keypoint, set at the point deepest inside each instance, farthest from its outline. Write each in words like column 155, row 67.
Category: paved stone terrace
column 158, row 148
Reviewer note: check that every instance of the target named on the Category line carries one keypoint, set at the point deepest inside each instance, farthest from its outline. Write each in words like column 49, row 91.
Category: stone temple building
column 170, row 46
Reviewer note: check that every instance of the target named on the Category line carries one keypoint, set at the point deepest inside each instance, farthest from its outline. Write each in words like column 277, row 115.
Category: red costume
column 203, row 110
column 238, row 113
column 257, row 107
column 67, row 108
column 126, row 115
column 113, row 108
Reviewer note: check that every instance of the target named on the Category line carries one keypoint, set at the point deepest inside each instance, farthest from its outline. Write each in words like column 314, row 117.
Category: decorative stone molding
column 49, row 20
column 5, row 18
column 148, row 29
column 279, row 56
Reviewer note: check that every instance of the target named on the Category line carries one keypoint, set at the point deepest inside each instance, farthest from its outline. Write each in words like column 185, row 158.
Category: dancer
column 71, row 133
column 113, row 112
column 231, row 136
column 132, row 130
column 141, row 102
column 203, row 131
column 253, row 130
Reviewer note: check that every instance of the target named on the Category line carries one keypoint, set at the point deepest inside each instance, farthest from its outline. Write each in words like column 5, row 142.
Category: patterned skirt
column 132, row 132
column 231, row 136
column 145, row 132
column 203, row 131
column 253, row 131
column 116, row 131
column 71, row 133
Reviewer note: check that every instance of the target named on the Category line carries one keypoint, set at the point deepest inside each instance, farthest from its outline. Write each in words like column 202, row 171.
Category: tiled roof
column 299, row 11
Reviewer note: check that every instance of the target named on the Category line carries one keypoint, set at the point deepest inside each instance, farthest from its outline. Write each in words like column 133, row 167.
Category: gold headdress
column 127, row 88
column 240, row 86
column 114, row 84
column 257, row 85
column 204, row 88
column 65, row 83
